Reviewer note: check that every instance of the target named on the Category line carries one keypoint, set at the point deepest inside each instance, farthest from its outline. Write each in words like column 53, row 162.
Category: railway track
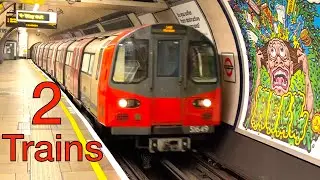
column 175, row 166
column 131, row 168
column 194, row 166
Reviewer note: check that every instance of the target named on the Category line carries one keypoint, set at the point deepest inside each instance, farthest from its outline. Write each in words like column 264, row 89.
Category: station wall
column 147, row 19
column 13, row 36
column 3, row 12
column 165, row 16
column 282, row 44
column 34, row 37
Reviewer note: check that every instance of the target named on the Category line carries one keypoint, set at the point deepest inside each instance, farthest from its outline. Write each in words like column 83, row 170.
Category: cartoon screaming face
column 279, row 65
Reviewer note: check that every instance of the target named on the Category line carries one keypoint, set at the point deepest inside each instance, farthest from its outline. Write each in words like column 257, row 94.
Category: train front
column 164, row 87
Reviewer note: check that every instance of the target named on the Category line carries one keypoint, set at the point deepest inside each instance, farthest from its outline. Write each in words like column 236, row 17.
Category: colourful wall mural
column 282, row 39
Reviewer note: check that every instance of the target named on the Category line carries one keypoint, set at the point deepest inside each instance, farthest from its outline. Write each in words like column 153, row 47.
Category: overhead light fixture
column 36, row 7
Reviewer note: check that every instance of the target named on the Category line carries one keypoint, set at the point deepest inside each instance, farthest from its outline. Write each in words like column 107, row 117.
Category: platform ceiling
column 71, row 14
column 69, row 17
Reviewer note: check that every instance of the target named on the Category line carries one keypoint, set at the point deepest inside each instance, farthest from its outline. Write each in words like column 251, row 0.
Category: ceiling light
column 36, row 7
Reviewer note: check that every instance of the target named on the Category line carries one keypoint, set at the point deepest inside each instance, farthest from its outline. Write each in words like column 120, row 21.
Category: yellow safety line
column 95, row 165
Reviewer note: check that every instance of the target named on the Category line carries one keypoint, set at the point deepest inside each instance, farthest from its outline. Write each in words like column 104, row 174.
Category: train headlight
column 206, row 102
column 128, row 103
column 123, row 103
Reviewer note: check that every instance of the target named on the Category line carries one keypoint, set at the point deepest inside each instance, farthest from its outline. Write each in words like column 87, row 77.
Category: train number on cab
column 199, row 129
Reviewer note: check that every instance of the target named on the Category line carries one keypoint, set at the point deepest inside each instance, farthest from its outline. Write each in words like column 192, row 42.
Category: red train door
column 167, row 78
column 76, row 68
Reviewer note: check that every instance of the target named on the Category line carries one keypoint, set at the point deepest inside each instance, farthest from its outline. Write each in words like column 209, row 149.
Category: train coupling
column 180, row 144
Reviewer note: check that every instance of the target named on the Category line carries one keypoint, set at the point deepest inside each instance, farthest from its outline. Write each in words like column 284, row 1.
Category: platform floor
column 18, row 79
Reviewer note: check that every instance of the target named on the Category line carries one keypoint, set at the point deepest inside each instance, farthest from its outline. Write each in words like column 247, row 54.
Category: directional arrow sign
column 36, row 17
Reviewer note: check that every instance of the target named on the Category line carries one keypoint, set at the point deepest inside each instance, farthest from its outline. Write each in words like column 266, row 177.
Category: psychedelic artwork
column 282, row 39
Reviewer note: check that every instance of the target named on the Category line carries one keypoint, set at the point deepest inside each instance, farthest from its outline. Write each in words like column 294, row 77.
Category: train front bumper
column 162, row 130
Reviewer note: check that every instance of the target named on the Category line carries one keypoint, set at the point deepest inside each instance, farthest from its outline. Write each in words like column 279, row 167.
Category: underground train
column 158, row 84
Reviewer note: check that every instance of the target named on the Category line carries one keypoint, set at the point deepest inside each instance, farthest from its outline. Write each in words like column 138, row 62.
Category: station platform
column 18, row 79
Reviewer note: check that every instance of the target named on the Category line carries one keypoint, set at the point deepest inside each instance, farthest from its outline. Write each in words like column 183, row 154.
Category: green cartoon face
column 279, row 66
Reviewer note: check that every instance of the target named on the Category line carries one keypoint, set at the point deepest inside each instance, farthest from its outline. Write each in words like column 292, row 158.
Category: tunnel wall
column 34, row 37
column 165, row 16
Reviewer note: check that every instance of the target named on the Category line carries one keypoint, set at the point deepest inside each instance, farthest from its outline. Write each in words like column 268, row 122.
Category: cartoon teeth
column 280, row 79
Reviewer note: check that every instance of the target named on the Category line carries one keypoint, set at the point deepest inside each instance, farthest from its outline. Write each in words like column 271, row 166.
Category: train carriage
column 39, row 49
column 160, row 82
column 45, row 56
column 33, row 50
column 68, row 78
column 41, row 54
column 90, row 71
column 52, row 58
column 76, row 66
column 62, row 56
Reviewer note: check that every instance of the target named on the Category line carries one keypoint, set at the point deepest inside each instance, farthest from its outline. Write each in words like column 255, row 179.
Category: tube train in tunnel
column 156, row 83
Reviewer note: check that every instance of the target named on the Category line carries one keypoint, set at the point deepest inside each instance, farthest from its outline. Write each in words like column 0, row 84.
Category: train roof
column 160, row 27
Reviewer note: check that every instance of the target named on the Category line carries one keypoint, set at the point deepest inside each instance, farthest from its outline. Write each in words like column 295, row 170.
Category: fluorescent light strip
column 36, row 7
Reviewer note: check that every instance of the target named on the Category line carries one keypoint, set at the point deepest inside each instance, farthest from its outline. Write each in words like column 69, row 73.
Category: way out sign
column 229, row 72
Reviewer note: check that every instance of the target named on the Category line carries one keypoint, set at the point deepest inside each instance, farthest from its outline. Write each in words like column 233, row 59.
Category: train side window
column 50, row 53
column 91, row 64
column 131, row 61
column 67, row 58
column 70, row 58
column 59, row 56
column 85, row 62
column 202, row 63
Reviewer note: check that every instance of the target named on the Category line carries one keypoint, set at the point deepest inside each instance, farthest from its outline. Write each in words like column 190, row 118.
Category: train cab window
column 85, row 62
column 202, row 64
column 131, row 61
column 168, row 59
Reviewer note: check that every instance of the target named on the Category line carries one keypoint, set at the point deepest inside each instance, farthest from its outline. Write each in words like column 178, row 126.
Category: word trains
column 48, row 150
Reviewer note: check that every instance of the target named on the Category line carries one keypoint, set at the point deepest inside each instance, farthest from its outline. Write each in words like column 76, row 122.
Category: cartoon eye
column 282, row 52
column 273, row 52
